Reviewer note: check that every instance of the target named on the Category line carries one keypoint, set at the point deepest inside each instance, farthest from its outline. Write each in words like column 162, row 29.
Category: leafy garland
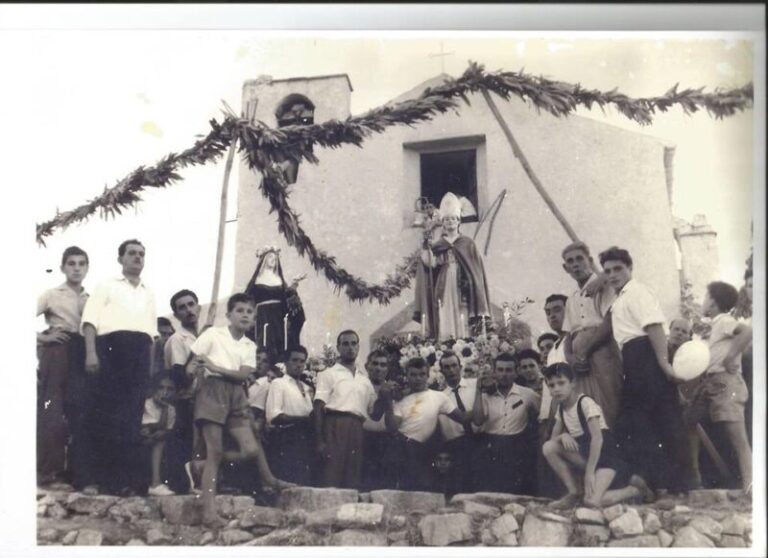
column 264, row 148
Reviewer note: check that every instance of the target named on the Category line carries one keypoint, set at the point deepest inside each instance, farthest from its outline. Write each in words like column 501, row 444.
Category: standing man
column 459, row 437
column 343, row 400
column 177, row 350
column 414, row 419
column 288, row 410
column 649, row 427
column 680, row 331
column 506, row 454
column 379, row 463
column 545, row 342
column 118, row 323
column 63, row 391
column 592, row 353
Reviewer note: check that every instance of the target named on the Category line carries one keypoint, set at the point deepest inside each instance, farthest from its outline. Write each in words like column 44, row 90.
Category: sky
column 90, row 106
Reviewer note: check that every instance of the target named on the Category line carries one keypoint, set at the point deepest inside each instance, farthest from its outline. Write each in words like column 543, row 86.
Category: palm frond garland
column 263, row 147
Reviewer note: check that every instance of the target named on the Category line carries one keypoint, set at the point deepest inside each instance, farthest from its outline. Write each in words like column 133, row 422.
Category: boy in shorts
column 157, row 425
column 228, row 357
column 582, row 444
column 722, row 394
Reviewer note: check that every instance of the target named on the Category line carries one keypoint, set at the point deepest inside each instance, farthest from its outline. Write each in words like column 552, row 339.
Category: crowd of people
column 129, row 406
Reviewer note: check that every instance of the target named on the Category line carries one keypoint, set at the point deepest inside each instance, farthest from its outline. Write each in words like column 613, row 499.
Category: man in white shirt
column 186, row 443
column 118, row 323
column 344, row 398
column 589, row 347
column 506, row 456
column 649, row 427
column 459, row 438
column 414, row 419
column 288, row 410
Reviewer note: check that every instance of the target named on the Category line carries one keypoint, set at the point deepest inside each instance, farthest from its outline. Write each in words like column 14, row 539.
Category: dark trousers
column 506, row 463
column 291, row 452
column 59, row 363
column 415, row 471
column 461, row 450
column 380, row 461
column 650, row 430
column 178, row 447
column 343, row 434
column 124, row 362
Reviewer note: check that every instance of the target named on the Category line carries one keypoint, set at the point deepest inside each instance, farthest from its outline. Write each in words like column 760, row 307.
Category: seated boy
column 582, row 444
column 721, row 395
column 228, row 357
column 157, row 424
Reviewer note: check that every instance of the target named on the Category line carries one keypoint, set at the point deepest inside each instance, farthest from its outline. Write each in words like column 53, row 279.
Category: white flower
column 424, row 352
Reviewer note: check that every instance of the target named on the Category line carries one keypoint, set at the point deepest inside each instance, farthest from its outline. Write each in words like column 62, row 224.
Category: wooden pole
column 722, row 468
column 220, row 244
column 520, row 156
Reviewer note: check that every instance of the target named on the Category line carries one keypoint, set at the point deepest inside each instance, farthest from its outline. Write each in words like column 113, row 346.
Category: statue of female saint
column 279, row 313
column 451, row 288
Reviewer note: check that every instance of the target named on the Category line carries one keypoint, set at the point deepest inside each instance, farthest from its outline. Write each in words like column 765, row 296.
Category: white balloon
column 691, row 360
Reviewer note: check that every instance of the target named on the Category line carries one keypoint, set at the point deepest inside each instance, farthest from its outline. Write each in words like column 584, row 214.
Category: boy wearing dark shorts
column 228, row 357
column 582, row 444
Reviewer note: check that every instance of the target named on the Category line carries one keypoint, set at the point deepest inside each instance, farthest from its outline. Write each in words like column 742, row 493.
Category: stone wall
column 334, row 517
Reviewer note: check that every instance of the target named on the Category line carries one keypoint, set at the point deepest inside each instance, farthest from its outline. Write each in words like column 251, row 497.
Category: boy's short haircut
column 614, row 253
column 528, row 353
column 579, row 245
column 124, row 245
column 296, row 349
column 558, row 369
column 415, row 362
column 162, row 321
column 160, row 377
column 724, row 295
column 555, row 298
column 346, row 332
column 376, row 353
column 239, row 297
column 73, row 251
column 544, row 336
column 180, row 294
column 504, row 357
column 448, row 354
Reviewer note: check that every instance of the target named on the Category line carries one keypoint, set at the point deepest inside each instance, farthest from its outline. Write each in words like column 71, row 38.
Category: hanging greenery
column 264, row 148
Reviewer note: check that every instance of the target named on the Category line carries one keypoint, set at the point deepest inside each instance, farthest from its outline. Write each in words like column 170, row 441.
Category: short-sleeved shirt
column 62, row 307
column 370, row 425
column 720, row 340
column 154, row 411
column 556, row 354
column 508, row 415
column 224, row 350
column 582, row 311
column 635, row 308
column 285, row 397
column 345, row 392
column 118, row 305
column 419, row 413
column 258, row 393
column 571, row 416
column 467, row 387
column 178, row 348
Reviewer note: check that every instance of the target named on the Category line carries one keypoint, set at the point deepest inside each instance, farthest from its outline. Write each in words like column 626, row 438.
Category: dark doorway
column 450, row 171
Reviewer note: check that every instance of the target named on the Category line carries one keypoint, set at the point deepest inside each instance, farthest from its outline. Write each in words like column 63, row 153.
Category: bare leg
column 603, row 479
column 561, row 465
column 695, row 447
column 212, row 434
column 251, row 450
column 736, row 432
column 156, row 460
column 617, row 495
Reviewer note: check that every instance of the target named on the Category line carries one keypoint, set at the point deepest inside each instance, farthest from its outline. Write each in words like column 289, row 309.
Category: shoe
column 91, row 490
column 646, row 493
column 160, row 490
column 192, row 485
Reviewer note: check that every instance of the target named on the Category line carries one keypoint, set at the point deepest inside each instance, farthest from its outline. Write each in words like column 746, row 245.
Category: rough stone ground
column 334, row 517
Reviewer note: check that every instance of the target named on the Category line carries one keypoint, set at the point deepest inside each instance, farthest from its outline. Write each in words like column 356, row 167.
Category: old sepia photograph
column 390, row 288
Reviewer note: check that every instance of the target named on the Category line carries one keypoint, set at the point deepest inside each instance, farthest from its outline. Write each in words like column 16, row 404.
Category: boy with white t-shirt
column 582, row 444
column 414, row 418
